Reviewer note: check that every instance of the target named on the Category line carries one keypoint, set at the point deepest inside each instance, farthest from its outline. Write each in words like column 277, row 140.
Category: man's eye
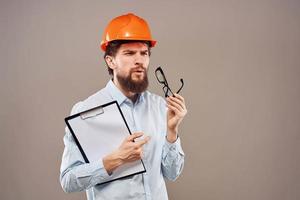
column 129, row 53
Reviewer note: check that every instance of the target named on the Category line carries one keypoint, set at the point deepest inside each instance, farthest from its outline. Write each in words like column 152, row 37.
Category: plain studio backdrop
column 240, row 61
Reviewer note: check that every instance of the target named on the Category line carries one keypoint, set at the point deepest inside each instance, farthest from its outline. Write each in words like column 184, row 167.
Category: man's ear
column 110, row 62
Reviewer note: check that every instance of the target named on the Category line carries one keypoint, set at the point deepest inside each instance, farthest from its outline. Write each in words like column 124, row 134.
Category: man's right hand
column 128, row 151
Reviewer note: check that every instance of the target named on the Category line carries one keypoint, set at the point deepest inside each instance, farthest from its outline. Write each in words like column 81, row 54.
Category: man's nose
column 139, row 59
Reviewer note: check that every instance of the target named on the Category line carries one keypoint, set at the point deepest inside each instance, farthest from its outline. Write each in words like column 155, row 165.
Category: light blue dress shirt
column 161, row 158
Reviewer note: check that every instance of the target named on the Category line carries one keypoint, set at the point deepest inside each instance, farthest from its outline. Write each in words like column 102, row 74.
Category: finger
column 142, row 154
column 174, row 109
column 176, row 103
column 134, row 136
column 137, row 151
column 179, row 97
column 142, row 142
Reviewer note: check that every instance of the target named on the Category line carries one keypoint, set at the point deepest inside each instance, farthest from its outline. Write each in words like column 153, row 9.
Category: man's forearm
column 111, row 162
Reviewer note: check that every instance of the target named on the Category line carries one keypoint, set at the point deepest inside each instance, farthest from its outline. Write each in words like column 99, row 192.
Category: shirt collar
column 117, row 95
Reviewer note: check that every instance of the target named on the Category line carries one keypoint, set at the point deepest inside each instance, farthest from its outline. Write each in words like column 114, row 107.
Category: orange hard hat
column 127, row 27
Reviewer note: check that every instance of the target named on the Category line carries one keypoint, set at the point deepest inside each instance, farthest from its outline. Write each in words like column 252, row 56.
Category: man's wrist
column 172, row 135
column 111, row 162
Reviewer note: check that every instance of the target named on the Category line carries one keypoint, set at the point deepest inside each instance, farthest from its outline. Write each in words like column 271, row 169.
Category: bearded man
column 127, row 44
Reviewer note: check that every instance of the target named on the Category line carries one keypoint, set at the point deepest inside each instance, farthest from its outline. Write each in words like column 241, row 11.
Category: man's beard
column 135, row 86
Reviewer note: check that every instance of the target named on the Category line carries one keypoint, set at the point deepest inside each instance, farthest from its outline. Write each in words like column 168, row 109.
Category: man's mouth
column 139, row 71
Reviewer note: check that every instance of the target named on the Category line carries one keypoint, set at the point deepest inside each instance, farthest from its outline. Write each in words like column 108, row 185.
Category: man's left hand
column 176, row 112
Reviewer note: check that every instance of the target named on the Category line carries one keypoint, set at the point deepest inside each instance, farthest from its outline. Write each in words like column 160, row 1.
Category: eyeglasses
column 162, row 79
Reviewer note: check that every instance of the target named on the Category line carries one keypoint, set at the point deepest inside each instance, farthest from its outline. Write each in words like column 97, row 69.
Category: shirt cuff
column 175, row 146
column 94, row 173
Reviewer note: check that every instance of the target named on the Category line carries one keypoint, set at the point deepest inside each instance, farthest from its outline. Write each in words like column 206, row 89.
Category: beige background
column 241, row 64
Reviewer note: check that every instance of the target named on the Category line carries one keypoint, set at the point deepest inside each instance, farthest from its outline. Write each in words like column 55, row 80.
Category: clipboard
column 98, row 132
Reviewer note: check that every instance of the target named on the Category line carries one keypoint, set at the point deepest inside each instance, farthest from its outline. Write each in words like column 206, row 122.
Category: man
column 153, row 121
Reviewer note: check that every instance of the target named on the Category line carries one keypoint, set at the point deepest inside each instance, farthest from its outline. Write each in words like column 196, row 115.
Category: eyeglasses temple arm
column 182, row 84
